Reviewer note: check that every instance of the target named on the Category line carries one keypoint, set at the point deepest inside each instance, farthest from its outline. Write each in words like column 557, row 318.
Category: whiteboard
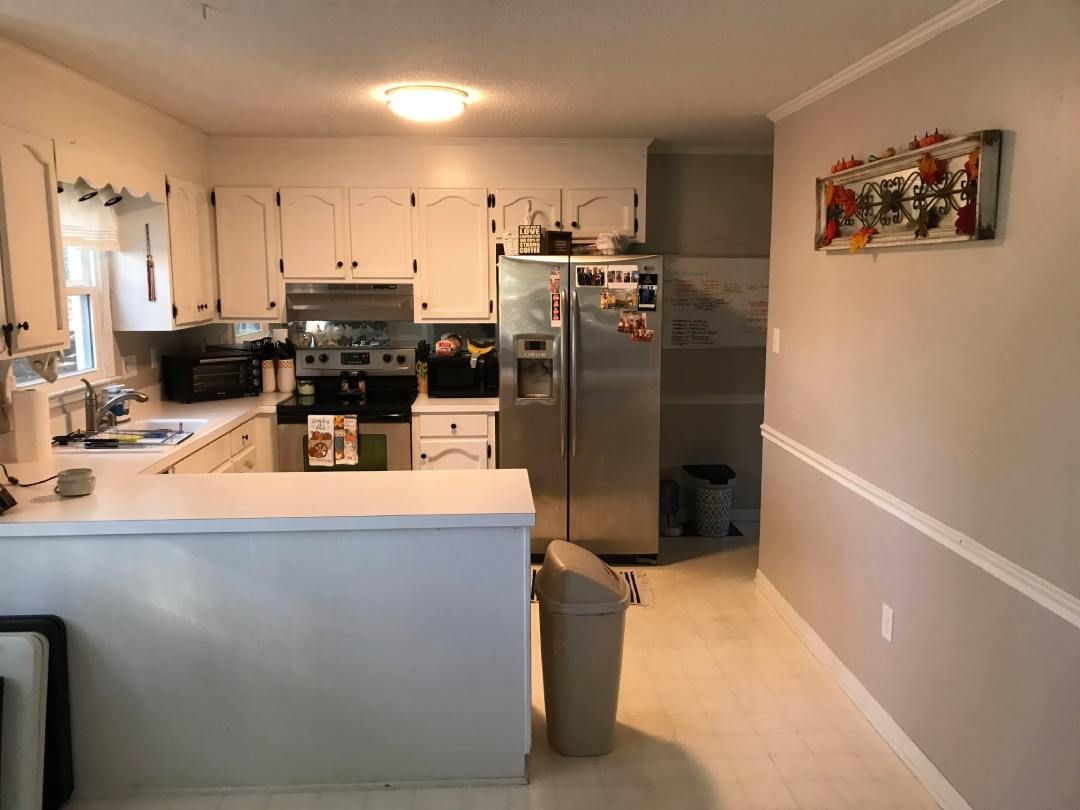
column 713, row 303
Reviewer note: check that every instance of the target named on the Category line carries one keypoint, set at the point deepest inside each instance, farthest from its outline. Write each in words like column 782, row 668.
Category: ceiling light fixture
column 426, row 102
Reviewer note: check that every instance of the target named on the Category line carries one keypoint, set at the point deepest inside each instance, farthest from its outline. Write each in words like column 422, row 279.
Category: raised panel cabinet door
column 247, row 243
column 380, row 233
column 592, row 211
column 313, row 232
column 454, row 277
column 527, row 206
column 453, row 454
column 190, row 249
column 31, row 256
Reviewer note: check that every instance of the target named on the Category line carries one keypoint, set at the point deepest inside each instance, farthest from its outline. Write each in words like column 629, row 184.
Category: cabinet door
column 246, row 461
column 247, row 243
column 191, row 249
column 527, row 206
column 592, row 211
column 313, row 232
column 453, row 454
column 31, row 258
column 380, row 233
column 454, row 282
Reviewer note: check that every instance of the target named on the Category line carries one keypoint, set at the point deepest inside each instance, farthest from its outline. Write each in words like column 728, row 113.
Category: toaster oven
column 200, row 376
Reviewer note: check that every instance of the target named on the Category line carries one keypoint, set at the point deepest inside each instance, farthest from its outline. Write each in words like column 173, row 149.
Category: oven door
column 382, row 446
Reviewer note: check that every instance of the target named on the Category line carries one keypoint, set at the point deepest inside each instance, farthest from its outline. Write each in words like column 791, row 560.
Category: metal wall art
column 942, row 192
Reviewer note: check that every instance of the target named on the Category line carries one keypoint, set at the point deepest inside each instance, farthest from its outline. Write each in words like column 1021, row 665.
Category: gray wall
column 712, row 205
column 947, row 376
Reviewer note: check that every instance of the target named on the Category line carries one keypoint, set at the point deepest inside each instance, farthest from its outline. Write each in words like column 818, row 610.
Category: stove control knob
column 309, row 359
column 401, row 359
column 323, row 358
column 386, row 358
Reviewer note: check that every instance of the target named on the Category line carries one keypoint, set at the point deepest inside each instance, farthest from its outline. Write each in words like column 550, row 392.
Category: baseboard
column 925, row 771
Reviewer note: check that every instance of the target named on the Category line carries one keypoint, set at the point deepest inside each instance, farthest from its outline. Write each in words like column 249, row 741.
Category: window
column 86, row 274
column 249, row 330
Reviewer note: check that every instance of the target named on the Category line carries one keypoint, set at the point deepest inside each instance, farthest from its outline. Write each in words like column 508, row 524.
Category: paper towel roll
column 32, row 432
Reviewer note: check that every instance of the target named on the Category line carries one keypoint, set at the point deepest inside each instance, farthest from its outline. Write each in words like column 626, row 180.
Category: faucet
column 99, row 415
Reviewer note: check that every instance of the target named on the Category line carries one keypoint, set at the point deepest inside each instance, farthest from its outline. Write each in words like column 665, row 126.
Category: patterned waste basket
column 714, row 486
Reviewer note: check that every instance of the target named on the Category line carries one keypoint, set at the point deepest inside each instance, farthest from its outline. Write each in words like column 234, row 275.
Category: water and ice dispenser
column 534, row 361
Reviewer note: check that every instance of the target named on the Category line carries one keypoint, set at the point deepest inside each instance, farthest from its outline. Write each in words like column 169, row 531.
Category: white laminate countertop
column 428, row 404
column 130, row 499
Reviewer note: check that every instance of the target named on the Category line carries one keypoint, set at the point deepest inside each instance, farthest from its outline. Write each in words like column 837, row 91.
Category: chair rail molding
column 1043, row 592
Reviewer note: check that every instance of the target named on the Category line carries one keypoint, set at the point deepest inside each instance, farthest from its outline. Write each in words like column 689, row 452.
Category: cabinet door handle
column 574, row 224
column 244, row 437
column 558, row 224
column 25, row 326
column 453, row 426
column 273, row 304
column 423, row 456
column 423, row 305
column 355, row 264
column 341, row 264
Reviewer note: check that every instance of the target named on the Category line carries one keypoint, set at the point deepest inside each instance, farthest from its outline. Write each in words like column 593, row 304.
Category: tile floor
column 722, row 708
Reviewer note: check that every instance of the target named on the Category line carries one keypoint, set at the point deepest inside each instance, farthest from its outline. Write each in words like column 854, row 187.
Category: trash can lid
column 713, row 473
column 575, row 581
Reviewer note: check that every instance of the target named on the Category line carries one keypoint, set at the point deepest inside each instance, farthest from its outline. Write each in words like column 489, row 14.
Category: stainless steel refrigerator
column 579, row 396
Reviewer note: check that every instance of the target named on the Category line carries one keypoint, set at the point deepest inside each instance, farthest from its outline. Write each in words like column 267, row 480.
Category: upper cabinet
column 592, row 211
column 526, row 206
column 247, row 254
column 380, row 234
column 314, row 238
column 192, row 249
column 33, row 312
column 455, row 280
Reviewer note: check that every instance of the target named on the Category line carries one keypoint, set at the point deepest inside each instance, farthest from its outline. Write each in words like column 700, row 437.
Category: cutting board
column 24, row 666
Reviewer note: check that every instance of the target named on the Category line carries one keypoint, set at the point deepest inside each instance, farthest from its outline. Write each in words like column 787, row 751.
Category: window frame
column 101, row 331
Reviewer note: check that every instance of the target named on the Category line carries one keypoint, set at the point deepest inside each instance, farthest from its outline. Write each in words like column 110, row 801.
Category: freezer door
column 614, row 419
column 532, row 422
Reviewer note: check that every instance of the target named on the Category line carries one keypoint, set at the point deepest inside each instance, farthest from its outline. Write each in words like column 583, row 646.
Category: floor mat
column 641, row 593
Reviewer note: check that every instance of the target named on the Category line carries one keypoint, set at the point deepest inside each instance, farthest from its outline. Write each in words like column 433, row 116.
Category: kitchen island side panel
column 260, row 660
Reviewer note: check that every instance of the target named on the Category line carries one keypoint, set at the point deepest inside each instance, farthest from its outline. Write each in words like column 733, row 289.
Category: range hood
column 349, row 302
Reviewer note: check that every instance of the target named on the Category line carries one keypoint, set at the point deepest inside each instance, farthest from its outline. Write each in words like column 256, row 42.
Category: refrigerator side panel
column 532, row 416
column 614, row 419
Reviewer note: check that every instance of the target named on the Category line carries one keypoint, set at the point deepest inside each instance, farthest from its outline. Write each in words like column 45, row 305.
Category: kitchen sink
column 144, row 435
column 177, row 425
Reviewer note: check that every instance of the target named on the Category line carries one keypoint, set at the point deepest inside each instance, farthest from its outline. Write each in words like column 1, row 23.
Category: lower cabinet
column 453, row 441
column 245, row 449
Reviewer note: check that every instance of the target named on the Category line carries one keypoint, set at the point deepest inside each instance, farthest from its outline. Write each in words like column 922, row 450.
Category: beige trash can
column 582, row 617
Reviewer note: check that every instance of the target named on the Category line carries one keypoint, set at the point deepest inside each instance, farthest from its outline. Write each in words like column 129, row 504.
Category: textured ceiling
column 687, row 72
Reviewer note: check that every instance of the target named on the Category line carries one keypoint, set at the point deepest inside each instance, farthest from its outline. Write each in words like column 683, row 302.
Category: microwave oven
column 200, row 376
column 457, row 377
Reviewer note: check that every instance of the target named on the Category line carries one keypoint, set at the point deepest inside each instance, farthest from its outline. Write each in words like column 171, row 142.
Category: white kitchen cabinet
column 249, row 280
column 246, row 461
column 453, row 441
column 206, row 459
column 245, row 449
column 527, row 206
column 314, row 233
column 592, row 211
column 191, row 247
column 455, row 281
column 33, row 310
column 381, row 234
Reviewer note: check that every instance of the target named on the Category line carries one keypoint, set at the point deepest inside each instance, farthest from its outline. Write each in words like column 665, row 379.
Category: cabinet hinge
column 414, row 265
column 491, row 306
column 635, row 199
column 635, row 224
column 489, row 449
column 175, row 311
column 59, row 187
column 277, row 198
column 493, row 226
column 412, row 199
column 219, row 306
column 213, row 198
column 281, row 266
column 168, row 188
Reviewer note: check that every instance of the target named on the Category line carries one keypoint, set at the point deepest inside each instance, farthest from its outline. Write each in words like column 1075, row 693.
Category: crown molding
column 919, row 35
column 690, row 149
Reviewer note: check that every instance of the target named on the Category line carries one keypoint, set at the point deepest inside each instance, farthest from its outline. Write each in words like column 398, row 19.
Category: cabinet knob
column 558, row 224
column 423, row 305
column 423, row 456
column 273, row 304
column 574, row 224
column 341, row 264
column 453, row 425
column 25, row 326
column 244, row 437
column 355, row 263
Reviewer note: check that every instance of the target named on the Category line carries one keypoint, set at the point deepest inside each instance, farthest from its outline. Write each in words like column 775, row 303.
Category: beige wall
column 947, row 376
column 712, row 205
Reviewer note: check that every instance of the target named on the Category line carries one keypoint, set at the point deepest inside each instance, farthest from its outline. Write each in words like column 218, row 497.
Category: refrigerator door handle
column 574, row 373
column 562, row 381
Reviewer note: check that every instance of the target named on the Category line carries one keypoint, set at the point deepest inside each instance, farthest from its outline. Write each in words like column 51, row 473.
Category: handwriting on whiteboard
column 712, row 303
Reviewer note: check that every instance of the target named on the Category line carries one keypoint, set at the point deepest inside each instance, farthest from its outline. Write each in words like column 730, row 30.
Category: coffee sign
column 529, row 239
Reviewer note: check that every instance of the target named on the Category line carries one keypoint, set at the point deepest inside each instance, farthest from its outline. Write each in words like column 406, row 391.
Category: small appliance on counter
column 213, row 373
column 463, row 375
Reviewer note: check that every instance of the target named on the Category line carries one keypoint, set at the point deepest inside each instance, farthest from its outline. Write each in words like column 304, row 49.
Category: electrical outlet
column 131, row 365
column 776, row 340
column 153, row 357
column 886, row 622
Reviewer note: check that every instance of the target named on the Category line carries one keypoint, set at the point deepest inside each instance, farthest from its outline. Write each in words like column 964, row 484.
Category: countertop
column 427, row 404
column 130, row 498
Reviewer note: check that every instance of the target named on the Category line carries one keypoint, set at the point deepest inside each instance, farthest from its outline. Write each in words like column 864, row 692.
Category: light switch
column 776, row 340
column 131, row 365
column 886, row 622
